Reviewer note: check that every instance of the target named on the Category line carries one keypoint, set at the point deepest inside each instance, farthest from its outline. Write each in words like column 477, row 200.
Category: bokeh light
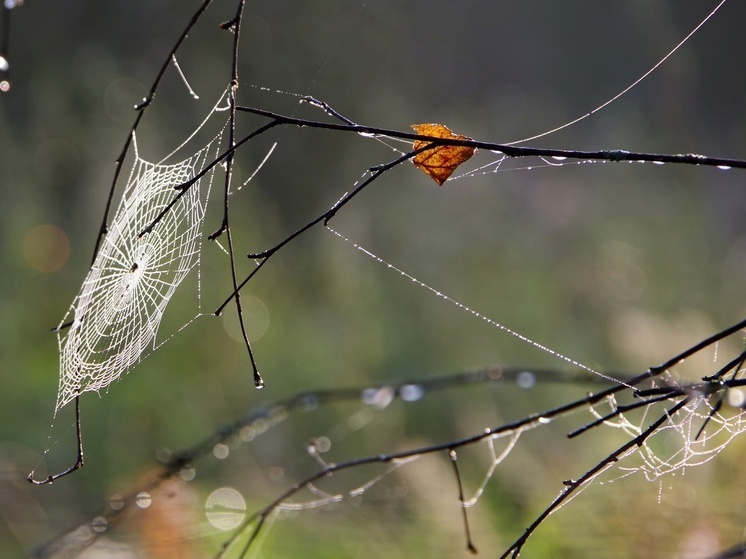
column 225, row 508
column 46, row 248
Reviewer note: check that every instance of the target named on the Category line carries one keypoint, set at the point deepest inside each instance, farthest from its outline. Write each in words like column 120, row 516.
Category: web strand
column 626, row 89
column 477, row 314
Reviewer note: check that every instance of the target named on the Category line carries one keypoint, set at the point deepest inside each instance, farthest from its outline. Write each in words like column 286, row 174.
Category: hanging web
column 114, row 320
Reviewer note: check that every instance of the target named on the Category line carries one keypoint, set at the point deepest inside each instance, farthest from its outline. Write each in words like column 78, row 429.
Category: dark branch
column 572, row 486
column 376, row 172
column 78, row 460
column 509, row 150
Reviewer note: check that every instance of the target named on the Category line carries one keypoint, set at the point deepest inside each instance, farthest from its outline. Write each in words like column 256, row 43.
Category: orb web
column 114, row 319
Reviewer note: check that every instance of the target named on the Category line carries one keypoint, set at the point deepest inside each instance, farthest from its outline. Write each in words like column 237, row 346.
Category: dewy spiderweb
column 115, row 317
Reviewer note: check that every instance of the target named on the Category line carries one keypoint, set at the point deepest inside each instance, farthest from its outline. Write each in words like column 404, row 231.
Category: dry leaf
column 439, row 162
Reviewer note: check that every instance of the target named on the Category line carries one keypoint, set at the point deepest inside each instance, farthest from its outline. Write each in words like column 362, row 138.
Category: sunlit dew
column 247, row 433
column 411, row 392
column 308, row 402
column 143, row 500
column 225, row 508
column 99, row 524
column 4, row 64
column 221, row 451
column 260, row 426
column 322, row 444
column 372, row 395
column 724, row 167
column 116, row 502
column 368, row 395
column 559, row 157
column 163, row 455
column 278, row 414
column 4, row 85
column 188, row 473
column 544, row 420
column 378, row 397
column 525, row 379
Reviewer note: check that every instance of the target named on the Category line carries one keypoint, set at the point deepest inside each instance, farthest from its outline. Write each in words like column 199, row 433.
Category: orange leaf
column 439, row 162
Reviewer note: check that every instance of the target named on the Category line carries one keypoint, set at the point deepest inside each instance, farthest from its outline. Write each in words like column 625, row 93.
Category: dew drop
column 525, row 379
column 4, row 64
column 368, row 395
column 221, row 451
column 658, row 163
column 163, row 455
column 559, row 157
column 116, row 502
column 544, row 420
column 260, row 425
column 378, row 397
column 225, row 508
column 99, row 524
column 143, row 500
column 411, row 392
column 724, row 167
column 188, row 473
column 323, row 444
column 307, row 402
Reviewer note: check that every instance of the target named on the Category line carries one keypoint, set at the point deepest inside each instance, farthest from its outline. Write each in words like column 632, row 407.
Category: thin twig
column 325, row 217
column 525, row 423
column 616, row 155
column 78, row 459
column 571, row 486
column 235, row 26
column 454, row 460
column 272, row 413
column 140, row 112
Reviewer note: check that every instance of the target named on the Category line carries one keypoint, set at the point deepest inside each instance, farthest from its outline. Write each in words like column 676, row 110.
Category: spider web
column 694, row 436
column 115, row 318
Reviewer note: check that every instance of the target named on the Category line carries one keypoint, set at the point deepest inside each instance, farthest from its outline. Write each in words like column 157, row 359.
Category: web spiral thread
column 116, row 315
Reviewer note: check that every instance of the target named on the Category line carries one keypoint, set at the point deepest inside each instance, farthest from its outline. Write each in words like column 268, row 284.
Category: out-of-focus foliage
column 619, row 266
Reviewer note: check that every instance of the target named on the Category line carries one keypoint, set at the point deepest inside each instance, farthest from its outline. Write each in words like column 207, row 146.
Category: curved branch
column 614, row 155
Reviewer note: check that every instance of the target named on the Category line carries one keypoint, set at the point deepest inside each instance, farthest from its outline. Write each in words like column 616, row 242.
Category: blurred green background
column 618, row 266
